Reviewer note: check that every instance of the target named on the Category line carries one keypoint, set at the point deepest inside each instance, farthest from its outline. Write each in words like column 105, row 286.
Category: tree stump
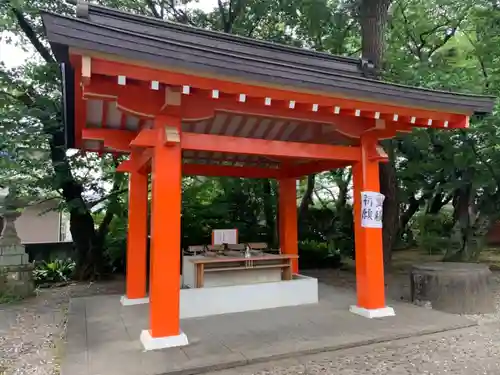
column 458, row 288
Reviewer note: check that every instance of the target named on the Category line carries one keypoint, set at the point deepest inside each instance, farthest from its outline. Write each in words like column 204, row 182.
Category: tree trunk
column 413, row 207
column 307, row 198
column 374, row 14
column 89, row 262
column 437, row 202
column 467, row 232
column 373, row 19
column 84, row 232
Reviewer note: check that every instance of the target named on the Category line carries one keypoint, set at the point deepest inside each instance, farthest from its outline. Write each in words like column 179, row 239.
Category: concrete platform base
column 154, row 343
column 134, row 301
column 102, row 335
column 199, row 302
column 372, row 313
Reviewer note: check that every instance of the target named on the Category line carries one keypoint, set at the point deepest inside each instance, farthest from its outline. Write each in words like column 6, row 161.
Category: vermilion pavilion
column 184, row 101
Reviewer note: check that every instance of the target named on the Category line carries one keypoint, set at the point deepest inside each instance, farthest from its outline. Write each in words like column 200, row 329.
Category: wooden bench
column 224, row 264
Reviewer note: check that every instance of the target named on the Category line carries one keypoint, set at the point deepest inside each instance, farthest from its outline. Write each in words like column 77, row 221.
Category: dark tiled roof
column 167, row 43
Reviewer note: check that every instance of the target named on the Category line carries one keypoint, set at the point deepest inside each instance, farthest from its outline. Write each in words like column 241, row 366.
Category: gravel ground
column 31, row 332
column 473, row 351
column 495, row 317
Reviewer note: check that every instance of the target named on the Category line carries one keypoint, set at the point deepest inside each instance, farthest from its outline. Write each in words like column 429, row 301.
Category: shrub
column 432, row 232
column 324, row 226
column 52, row 272
column 315, row 254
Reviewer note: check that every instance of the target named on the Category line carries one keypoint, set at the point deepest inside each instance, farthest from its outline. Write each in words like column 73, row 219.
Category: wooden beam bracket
column 172, row 135
column 145, row 138
column 377, row 153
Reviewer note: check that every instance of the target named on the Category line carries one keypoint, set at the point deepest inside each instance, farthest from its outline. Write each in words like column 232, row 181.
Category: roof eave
column 359, row 87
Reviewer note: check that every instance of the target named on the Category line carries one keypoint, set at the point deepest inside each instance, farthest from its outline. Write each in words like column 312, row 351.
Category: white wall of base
column 200, row 302
column 373, row 313
column 134, row 301
column 155, row 343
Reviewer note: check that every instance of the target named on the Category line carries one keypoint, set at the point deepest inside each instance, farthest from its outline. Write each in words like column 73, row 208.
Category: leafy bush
column 116, row 244
column 321, row 226
column 314, row 254
column 52, row 272
column 432, row 232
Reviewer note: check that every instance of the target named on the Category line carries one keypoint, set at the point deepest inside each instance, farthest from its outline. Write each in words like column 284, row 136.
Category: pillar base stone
column 372, row 313
column 133, row 301
column 155, row 343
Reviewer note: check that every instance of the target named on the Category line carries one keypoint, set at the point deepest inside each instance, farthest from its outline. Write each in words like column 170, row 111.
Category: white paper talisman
column 372, row 204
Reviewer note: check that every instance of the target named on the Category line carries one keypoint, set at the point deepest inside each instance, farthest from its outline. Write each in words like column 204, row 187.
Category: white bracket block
column 155, row 85
column 122, row 80
column 155, row 343
column 373, row 313
column 134, row 301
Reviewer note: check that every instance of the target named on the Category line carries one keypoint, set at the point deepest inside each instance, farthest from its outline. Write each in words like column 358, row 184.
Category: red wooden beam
column 145, row 138
column 123, row 139
column 115, row 68
column 133, row 98
column 305, row 169
column 139, row 161
column 126, row 166
column 115, row 139
column 280, row 149
column 198, row 105
column 229, row 171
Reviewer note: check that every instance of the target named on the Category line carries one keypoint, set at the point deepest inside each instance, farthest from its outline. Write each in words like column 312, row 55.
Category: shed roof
column 178, row 46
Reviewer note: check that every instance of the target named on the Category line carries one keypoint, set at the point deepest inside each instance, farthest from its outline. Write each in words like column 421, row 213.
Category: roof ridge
column 312, row 70
column 85, row 10
column 201, row 48
column 179, row 46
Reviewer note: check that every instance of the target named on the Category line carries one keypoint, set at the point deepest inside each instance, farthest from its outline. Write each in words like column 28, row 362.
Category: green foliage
column 440, row 44
column 329, row 226
column 227, row 203
column 116, row 244
column 432, row 232
column 55, row 271
column 315, row 254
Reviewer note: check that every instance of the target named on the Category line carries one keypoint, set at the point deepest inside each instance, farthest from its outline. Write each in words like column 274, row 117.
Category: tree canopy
column 439, row 44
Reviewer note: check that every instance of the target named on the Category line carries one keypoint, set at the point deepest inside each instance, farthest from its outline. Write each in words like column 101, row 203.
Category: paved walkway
column 103, row 336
